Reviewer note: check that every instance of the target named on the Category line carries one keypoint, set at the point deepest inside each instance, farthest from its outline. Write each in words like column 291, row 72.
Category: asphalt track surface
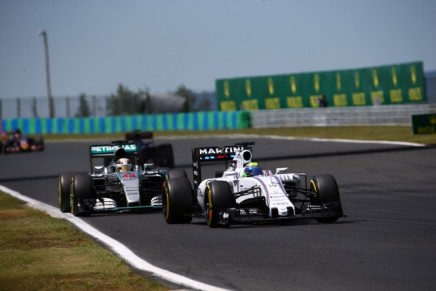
column 386, row 242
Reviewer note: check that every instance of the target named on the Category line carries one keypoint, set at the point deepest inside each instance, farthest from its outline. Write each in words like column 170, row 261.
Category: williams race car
column 149, row 152
column 120, row 185
column 245, row 193
column 15, row 142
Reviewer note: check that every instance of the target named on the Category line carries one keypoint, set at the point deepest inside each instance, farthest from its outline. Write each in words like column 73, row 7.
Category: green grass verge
column 388, row 133
column 39, row 252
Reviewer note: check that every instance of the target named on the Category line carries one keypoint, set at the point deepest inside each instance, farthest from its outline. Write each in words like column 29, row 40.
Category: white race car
column 244, row 192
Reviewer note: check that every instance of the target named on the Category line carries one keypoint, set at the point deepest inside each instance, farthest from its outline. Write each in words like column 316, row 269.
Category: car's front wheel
column 82, row 193
column 177, row 201
column 64, row 187
column 219, row 197
column 327, row 194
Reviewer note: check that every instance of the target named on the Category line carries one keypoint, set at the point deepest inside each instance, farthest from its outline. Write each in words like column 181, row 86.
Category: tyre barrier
column 196, row 121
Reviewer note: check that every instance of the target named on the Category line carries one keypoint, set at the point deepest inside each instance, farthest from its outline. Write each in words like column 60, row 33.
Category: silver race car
column 244, row 192
column 115, row 186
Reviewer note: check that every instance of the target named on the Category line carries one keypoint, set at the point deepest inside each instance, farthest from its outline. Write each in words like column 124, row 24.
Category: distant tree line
column 127, row 102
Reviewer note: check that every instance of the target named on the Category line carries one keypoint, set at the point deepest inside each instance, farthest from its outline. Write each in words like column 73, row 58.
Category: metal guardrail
column 338, row 116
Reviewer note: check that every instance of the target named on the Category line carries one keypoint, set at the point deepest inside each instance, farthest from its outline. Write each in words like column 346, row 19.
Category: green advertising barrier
column 424, row 124
column 204, row 121
column 383, row 85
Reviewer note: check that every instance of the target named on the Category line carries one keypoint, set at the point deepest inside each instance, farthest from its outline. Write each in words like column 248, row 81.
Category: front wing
column 253, row 215
column 256, row 210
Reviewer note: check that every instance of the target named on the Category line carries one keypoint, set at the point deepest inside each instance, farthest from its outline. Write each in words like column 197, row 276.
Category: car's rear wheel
column 81, row 193
column 149, row 155
column 166, row 155
column 327, row 194
column 64, row 187
column 177, row 201
column 219, row 196
column 40, row 144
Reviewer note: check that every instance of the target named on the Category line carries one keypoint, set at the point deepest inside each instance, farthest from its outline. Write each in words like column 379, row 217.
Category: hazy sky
column 95, row 45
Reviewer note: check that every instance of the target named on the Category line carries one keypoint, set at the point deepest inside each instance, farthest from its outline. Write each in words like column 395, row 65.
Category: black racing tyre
column 177, row 201
column 327, row 193
column 219, row 196
column 81, row 189
column 149, row 155
column 176, row 173
column 7, row 147
column 64, row 187
column 166, row 155
column 40, row 144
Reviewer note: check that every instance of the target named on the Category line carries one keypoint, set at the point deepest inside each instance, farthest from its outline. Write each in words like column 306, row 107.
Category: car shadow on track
column 288, row 223
column 127, row 213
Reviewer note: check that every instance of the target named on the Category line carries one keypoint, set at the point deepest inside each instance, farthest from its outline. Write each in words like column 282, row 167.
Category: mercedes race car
column 120, row 185
column 149, row 152
column 15, row 142
column 246, row 193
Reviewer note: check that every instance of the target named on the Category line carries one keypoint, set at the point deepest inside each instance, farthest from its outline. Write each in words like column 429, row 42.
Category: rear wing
column 225, row 154
column 108, row 150
column 135, row 135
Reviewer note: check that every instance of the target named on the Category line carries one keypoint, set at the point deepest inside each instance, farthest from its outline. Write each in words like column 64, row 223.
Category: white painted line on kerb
column 115, row 246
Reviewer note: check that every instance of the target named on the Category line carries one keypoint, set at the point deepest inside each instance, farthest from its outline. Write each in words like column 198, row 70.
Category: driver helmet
column 120, row 153
column 16, row 133
column 123, row 165
column 252, row 169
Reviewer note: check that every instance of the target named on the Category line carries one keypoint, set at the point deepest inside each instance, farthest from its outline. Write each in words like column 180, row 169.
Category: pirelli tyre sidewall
column 64, row 187
column 177, row 201
column 327, row 193
column 218, row 196
column 81, row 190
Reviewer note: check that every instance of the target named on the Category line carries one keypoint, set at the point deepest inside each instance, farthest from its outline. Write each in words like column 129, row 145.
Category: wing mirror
column 280, row 170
